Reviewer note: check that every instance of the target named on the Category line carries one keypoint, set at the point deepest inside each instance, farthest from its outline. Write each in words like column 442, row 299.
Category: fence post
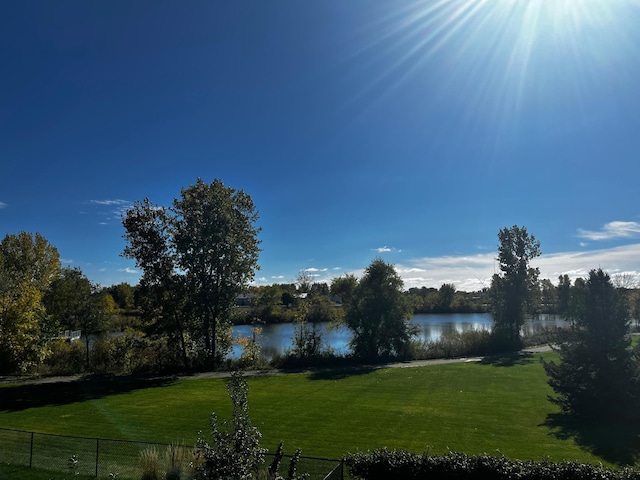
column 97, row 454
column 31, row 452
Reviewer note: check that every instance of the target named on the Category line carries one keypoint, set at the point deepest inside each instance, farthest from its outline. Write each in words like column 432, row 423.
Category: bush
column 133, row 353
column 65, row 358
column 384, row 464
column 235, row 452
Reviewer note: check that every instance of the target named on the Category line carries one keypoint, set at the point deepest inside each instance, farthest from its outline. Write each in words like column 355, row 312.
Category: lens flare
column 496, row 62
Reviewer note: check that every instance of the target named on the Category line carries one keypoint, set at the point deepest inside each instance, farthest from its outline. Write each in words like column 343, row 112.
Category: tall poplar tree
column 511, row 290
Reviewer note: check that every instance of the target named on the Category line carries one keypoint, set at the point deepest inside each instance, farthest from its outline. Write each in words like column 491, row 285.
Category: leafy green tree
column 511, row 291
column 67, row 297
column 596, row 376
column 379, row 314
column 31, row 259
column 74, row 303
column 269, row 298
column 122, row 294
column 204, row 245
column 548, row 296
column 162, row 296
column 28, row 263
column 344, row 288
column 446, row 295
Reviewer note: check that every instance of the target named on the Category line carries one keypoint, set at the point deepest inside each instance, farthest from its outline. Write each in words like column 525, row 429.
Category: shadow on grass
column 508, row 359
column 34, row 395
column 616, row 443
column 341, row 373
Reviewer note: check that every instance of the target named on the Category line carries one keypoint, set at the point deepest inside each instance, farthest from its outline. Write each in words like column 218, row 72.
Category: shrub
column 235, row 452
column 384, row 464
column 65, row 358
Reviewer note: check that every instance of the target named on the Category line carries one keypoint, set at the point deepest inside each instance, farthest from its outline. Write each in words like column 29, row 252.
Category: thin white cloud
column 276, row 277
column 611, row 231
column 110, row 210
column 128, row 270
column 3, row 205
column 385, row 249
column 313, row 269
column 110, row 202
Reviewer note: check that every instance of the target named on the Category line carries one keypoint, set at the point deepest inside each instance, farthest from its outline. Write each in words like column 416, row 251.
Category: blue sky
column 412, row 131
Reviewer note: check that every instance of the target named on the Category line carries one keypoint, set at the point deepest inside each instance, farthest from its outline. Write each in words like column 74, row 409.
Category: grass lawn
column 468, row 407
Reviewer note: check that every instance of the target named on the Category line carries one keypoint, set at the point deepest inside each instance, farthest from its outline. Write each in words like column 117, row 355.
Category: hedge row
column 384, row 464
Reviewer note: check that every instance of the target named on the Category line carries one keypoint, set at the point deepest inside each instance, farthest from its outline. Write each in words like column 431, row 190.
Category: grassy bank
column 475, row 408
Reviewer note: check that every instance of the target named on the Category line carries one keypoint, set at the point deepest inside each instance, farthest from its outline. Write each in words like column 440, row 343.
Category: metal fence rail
column 122, row 459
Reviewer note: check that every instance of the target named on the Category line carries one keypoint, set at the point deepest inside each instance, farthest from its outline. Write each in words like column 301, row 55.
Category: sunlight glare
column 494, row 59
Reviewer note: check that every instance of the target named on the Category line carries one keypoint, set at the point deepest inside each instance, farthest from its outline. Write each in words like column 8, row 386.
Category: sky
column 412, row 131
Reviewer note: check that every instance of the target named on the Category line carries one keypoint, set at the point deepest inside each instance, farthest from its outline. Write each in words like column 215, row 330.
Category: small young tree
column 235, row 453
column 595, row 376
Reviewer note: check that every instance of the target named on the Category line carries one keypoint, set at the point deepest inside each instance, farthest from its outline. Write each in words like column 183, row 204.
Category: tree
column 563, row 294
column 548, row 296
column 596, row 374
column 206, row 245
column 163, row 293
column 446, row 294
column 344, row 288
column 122, row 295
column 74, row 303
column 31, row 259
column 511, row 291
column 379, row 314
column 28, row 263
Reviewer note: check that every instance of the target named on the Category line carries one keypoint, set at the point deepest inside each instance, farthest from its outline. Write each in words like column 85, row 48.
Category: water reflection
column 276, row 338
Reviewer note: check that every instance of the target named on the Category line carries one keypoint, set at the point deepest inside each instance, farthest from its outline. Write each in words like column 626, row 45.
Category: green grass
column 468, row 407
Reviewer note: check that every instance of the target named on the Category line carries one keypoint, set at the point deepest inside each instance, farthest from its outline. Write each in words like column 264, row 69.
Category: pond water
column 276, row 338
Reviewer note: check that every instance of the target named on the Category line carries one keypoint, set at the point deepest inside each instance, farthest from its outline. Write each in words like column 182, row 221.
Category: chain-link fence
column 122, row 459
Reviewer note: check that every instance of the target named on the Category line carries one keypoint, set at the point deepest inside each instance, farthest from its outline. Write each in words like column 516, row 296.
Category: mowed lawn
column 494, row 408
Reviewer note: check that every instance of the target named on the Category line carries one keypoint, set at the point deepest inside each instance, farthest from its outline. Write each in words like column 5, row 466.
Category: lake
column 276, row 338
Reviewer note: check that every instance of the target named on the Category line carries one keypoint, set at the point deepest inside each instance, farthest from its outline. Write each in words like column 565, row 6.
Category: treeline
column 199, row 256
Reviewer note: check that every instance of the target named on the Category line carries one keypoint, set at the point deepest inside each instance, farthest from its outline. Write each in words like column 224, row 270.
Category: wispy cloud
column 313, row 269
column 611, row 231
column 110, row 202
column 110, row 209
column 276, row 277
column 3, row 205
column 385, row 249
column 129, row 270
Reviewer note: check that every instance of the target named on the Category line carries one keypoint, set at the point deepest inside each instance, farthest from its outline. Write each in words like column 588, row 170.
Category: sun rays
column 503, row 57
